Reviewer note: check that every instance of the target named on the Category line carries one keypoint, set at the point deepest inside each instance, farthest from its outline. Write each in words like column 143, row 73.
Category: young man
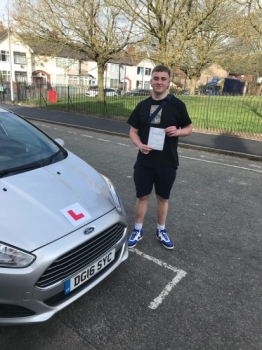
column 157, row 159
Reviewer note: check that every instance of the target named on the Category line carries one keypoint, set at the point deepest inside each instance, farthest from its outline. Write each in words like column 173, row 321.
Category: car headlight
column 13, row 257
column 113, row 193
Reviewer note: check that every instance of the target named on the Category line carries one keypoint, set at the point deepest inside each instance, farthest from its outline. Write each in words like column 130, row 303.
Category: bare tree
column 252, row 9
column 170, row 24
column 188, row 34
column 211, row 42
column 94, row 28
column 247, row 54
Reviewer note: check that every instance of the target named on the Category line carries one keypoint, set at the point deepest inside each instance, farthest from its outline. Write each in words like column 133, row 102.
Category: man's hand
column 172, row 131
column 133, row 133
column 145, row 149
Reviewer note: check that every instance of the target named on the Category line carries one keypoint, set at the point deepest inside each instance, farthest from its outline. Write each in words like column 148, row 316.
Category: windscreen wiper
column 51, row 158
column 19, row 169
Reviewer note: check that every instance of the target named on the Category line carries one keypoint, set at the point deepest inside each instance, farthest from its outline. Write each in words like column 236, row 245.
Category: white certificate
column 156, row 138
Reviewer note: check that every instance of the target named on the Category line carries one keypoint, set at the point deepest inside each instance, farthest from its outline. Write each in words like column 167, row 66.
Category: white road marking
column 103, row 140
column 224, row 164
column 256, row 166
column 179, row 275
column 87, row 136
column 180, row 156
column 158, row 300
column 71, row 132
column 122, row 144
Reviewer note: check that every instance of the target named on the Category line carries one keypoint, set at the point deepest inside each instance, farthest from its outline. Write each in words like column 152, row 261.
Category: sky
column 3, row 10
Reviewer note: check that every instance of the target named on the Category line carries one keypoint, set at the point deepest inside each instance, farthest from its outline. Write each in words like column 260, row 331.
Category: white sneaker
column 136, row 236
column 162, row 236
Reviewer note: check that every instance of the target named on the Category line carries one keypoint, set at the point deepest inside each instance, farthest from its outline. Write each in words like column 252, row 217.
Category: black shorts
column 162, row 178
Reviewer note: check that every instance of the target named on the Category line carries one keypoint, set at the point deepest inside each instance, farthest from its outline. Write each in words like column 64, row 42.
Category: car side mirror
column 60, row 142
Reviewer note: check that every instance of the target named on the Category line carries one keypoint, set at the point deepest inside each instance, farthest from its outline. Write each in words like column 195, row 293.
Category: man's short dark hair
column 161, row 68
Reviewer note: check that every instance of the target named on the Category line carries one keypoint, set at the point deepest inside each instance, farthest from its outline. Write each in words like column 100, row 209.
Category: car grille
column 81, row 256
column 59, row 298
column 12, row 311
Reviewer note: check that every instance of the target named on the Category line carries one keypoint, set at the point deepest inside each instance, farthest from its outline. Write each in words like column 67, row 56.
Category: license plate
column 88, row 272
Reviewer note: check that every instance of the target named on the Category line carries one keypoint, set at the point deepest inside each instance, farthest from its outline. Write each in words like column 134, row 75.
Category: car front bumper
column 22, row 301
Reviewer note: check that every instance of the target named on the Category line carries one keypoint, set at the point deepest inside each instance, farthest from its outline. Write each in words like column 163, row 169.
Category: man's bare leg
column 161, row 234
column 162, row 209
column 137, row 233
column 141, row 208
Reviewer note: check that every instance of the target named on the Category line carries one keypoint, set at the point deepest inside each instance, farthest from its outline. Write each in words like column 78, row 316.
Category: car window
column 19, row 132
column 21, row 143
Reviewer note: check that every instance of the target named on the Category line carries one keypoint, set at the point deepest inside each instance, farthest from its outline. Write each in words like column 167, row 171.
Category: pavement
column 223, row 144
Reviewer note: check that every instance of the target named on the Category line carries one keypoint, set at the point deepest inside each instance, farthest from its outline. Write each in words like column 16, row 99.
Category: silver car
column 62, row 224
column 107, row 92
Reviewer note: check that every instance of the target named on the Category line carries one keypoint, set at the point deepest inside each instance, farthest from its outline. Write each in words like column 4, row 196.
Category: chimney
column 131, row 49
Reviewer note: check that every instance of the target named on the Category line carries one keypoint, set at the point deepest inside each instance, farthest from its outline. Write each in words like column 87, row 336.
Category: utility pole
column 106, row 66
column 10, row 57
column 119, row 75
column 124, row 83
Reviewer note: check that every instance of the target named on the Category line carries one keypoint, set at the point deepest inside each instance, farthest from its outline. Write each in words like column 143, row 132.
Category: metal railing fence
column 231, row 115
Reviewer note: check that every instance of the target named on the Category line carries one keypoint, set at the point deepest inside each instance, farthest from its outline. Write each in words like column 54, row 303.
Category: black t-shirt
column 174, row 113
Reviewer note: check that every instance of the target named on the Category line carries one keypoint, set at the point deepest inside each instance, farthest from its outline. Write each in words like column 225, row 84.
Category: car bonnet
column 43, row 205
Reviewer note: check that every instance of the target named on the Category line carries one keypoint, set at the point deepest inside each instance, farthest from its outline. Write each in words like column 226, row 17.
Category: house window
column 19, row 58
column 147, row 85
column 62, row 62
column 72, row 80
column 114, row 68
column 61, row 79
column 143, row 71
column 73, row 64
column 140, row 71
column 85, row 81
column 21, row 77
column 5, row 74
column 4, row 56
column 113, row 82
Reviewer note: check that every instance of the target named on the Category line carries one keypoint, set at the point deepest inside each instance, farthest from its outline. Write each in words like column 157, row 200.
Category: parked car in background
column 63, row 227
column 225, row 86
column 107, row 92
column 187, row 92
column 138, row 92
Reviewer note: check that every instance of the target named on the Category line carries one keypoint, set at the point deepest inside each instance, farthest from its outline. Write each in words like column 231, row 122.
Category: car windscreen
column 23, row 146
